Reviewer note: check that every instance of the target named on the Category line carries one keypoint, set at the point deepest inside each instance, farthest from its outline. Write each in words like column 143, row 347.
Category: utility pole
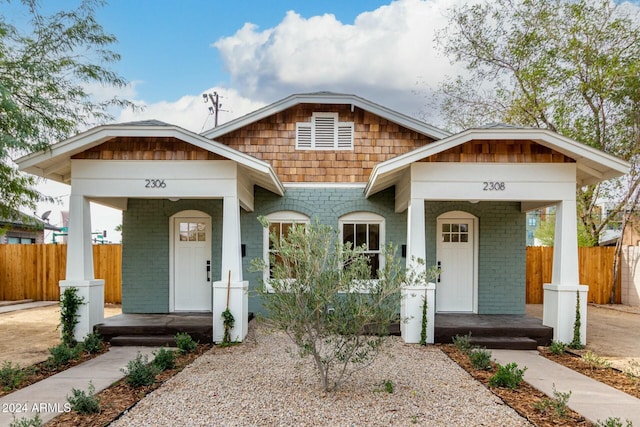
column 214, row 98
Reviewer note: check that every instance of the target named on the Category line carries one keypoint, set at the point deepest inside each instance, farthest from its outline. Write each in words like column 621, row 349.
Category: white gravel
column 260, row 383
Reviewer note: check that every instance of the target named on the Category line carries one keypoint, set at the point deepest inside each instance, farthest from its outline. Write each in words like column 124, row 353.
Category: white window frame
column 277, row 217
column 338, row 136
column 364, row 217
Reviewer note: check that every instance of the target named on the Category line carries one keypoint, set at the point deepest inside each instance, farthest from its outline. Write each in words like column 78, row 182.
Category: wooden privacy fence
column 595, row 268
column 33, row 271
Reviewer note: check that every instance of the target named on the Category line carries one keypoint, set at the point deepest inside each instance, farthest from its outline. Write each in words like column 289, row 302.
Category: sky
column 255, row 52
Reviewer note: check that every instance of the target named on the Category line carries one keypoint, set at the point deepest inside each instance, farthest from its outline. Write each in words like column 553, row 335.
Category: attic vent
column 324, row 132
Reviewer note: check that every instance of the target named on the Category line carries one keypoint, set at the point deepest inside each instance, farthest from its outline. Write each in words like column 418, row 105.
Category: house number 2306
column 493, row 186
column 154, row 183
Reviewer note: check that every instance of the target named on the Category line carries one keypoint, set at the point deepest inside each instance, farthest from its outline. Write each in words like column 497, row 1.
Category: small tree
column 326, row 301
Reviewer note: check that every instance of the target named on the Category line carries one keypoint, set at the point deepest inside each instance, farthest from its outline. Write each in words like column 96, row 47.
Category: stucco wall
column 501, row 252
column 145, row 250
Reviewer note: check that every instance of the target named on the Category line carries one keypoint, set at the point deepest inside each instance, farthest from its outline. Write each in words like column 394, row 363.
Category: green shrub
column 62, row 354
column 480, row 359
column 507, row 376
column 388, row 386
column 92, row 343
column 84, row 403
column 140, row 372
column 11, row 375
column 576, row 343
column 557, row 405
column 69, row 304
column 594, row 361
column 613, row 422
column 36, row 421
column 463, row 342
column 185, row 343
column 164, row 359
column 557, row 347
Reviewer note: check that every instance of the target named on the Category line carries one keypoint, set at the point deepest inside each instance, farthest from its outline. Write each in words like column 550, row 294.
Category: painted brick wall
column 501, row 252
column 328, row 205
column 145, row 250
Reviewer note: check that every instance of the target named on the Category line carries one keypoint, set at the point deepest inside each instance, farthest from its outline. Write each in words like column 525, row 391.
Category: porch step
column 505, row 343
column 144, row 341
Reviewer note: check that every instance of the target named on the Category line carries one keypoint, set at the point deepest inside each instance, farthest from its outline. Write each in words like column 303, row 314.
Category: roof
column 328, row 98
column 22, row 220
column 593, row 165
column 55, row 162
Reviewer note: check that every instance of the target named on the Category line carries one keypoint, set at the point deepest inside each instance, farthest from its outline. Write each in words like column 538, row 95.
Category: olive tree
column 323, row 295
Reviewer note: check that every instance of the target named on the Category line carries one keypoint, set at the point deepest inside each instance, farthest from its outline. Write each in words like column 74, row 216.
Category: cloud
column 381, row 56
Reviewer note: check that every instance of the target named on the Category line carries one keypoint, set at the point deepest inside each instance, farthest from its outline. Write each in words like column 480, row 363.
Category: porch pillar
column 414, row 295
column 232, row 285
column 79, row 272
column 560, row 296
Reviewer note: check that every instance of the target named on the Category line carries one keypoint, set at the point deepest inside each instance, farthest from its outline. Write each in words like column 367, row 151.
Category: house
column 191, row 201
column 23, row 229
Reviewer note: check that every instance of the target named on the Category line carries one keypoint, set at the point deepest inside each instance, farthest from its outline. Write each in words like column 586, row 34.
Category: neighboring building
column 191, row 203
column 23, row 229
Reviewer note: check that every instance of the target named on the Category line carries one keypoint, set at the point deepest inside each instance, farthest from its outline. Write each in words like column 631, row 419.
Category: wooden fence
column 595, row 269
column 33, row 271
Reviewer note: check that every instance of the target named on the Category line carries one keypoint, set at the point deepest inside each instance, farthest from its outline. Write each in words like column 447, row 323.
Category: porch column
column 79, row 273
column 234, row 286
column 560, row 296
column 414, row 295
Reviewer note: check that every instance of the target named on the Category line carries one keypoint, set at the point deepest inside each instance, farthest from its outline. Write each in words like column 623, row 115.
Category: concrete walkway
column 49, row 396
column 8, row 306
column 592, row 399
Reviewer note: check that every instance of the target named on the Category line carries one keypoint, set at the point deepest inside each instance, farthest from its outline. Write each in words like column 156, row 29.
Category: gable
column 147, row 148
column 500, row 151
column 273, row 139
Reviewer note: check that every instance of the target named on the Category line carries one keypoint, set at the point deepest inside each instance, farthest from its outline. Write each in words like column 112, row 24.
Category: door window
column 193, row 231
column 455, row 233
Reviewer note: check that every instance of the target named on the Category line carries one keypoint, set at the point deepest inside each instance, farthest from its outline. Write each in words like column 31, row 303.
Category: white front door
column 456, row 256
column 191, row 263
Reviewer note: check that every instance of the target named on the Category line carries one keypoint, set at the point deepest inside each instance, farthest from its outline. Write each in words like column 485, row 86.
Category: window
column 193, row 232
column 324, row 132
column 455, row 233
column 20, row 240
column 279, row 223
column 365, row 229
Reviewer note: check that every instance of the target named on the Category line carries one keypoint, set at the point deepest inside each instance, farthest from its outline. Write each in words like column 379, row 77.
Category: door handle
column 208, row 270
column 438, row 265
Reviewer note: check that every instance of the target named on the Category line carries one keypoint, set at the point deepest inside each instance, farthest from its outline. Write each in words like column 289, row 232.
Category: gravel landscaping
column 261, row 382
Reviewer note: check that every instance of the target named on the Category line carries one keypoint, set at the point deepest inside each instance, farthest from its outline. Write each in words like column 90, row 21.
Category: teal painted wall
column 145, row 250
column 328, row 205
column 501, row 252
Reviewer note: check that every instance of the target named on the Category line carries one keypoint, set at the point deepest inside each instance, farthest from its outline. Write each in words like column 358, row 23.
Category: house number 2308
column 493, row 186
column 154, row 183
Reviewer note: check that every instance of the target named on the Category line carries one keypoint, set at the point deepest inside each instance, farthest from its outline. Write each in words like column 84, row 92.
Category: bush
column 92, row 343
column 557, row 347
column 36, row 421
column 507, row 376
column 613, row 422
column 463, row 343
column 594, row 361
column 557, row 405
column 62, row 354
column 164, row 359
column 480, row 359
column 69, row 304
column 11, row 375
column 185, row 343
column 84, row 403
column 140, row 372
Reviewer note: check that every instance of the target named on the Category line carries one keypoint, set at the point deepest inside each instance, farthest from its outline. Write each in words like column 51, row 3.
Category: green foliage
column 613, row 422
column 164, row 359
column 388, row 386
column 11, row 375
column 594, row 361
column 185, row 343
column 546, row 233
column 84, row 403
column 47, row 66
column 463, row 343
column 556, row 406
column 92, row 343
column 480, row 359
column 576, row 343
column 570, row 66
column 423, row 326
column 36, row 421
column 62, row 354
column 507, row 376
column 69, row 304
column 557, row 347
column 228, row 322
column 324, row 297
column 140, row 372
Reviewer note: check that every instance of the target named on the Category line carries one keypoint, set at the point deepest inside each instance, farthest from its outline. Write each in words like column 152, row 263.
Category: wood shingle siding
column 490, row 151
column 131, row 148
column 273, row 140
